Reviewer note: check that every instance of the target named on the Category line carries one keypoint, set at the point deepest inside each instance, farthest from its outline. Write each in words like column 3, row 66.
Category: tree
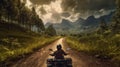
column 116, row 19
column 35, row 20
column 1, row 7
column 9, row 9
column 103, row 26
column 15, row 11
column 20, row 6
column 50, row 31
column 39, row 24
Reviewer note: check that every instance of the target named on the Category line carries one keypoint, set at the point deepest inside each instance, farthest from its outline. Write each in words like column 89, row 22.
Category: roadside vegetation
column 104, row 43
column 17, row 48
column 99, row 46
column 16, row 41
column 21, row 31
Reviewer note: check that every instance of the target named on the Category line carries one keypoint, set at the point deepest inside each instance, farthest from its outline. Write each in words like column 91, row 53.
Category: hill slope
column 81, row 25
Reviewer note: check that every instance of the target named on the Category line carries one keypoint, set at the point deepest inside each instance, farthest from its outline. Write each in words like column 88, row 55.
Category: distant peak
column 91, row 17
column 65, row 21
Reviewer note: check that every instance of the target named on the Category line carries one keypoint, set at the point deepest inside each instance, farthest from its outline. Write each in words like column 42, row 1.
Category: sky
column 55, row 10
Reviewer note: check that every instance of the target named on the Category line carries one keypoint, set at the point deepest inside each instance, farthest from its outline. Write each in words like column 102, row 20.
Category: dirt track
column 38, row 59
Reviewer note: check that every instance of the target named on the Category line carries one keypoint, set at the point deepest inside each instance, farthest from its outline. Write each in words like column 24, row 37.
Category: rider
column 59, row 53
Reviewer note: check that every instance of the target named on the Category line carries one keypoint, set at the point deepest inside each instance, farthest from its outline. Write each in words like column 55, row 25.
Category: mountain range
column 81, row 25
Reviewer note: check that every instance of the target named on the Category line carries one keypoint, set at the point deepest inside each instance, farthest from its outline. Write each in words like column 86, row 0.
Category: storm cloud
column 87, row 7
column 41, row 2
column 42, row 10
column 65, row 14
column 56, row 10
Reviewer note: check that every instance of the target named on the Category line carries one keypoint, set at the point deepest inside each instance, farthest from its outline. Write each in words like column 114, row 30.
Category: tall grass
column 14, row 47
column 16, row 42
column 103, row 47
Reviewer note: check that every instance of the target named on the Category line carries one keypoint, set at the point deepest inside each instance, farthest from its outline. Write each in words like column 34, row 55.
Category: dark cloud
column 65, row 14
column 87, row 5
column 43, row 11
column 41, row 2
column 56, row 16
column 70, row 8
column 68, row 4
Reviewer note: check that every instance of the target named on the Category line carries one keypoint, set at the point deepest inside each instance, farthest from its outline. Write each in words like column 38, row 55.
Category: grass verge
column 98, row 46
column 21, row 46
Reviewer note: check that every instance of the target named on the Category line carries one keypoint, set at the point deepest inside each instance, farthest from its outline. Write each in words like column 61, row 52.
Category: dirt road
column 38, row 59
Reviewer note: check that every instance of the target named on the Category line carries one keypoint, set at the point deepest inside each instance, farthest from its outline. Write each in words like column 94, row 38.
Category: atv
column 52, row 62
column 67, row 62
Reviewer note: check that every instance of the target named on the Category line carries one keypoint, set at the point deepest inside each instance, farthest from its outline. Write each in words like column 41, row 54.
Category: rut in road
column 38, row 59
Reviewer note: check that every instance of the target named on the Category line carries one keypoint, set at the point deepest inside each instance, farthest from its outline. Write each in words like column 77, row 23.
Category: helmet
column 59, row 46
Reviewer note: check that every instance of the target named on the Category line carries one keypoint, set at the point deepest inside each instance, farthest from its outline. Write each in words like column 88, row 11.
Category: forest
column 21, row 31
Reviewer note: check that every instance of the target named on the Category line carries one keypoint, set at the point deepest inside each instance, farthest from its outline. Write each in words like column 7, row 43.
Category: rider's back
column 59, row 54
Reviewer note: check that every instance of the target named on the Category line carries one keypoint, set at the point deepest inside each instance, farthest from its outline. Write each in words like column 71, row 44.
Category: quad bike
column 67, row 62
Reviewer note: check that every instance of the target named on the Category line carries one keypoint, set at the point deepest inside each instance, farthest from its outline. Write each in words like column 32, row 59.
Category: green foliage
column 50, row 31
column 97, row 45
column 104, row 43
column 16, row 26
column 15, row 11
column 103, row 27
column 17, row 41
column 39, row 25
column 114, row 27
column 116, row 19
column 14, row 47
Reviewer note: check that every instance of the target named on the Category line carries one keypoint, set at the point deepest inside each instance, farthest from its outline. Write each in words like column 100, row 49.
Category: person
column 59, row 53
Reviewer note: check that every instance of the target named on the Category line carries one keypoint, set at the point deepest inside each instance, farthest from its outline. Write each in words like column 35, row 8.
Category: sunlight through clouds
column 56, row 6
column 28, row 4
column 55, row 10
